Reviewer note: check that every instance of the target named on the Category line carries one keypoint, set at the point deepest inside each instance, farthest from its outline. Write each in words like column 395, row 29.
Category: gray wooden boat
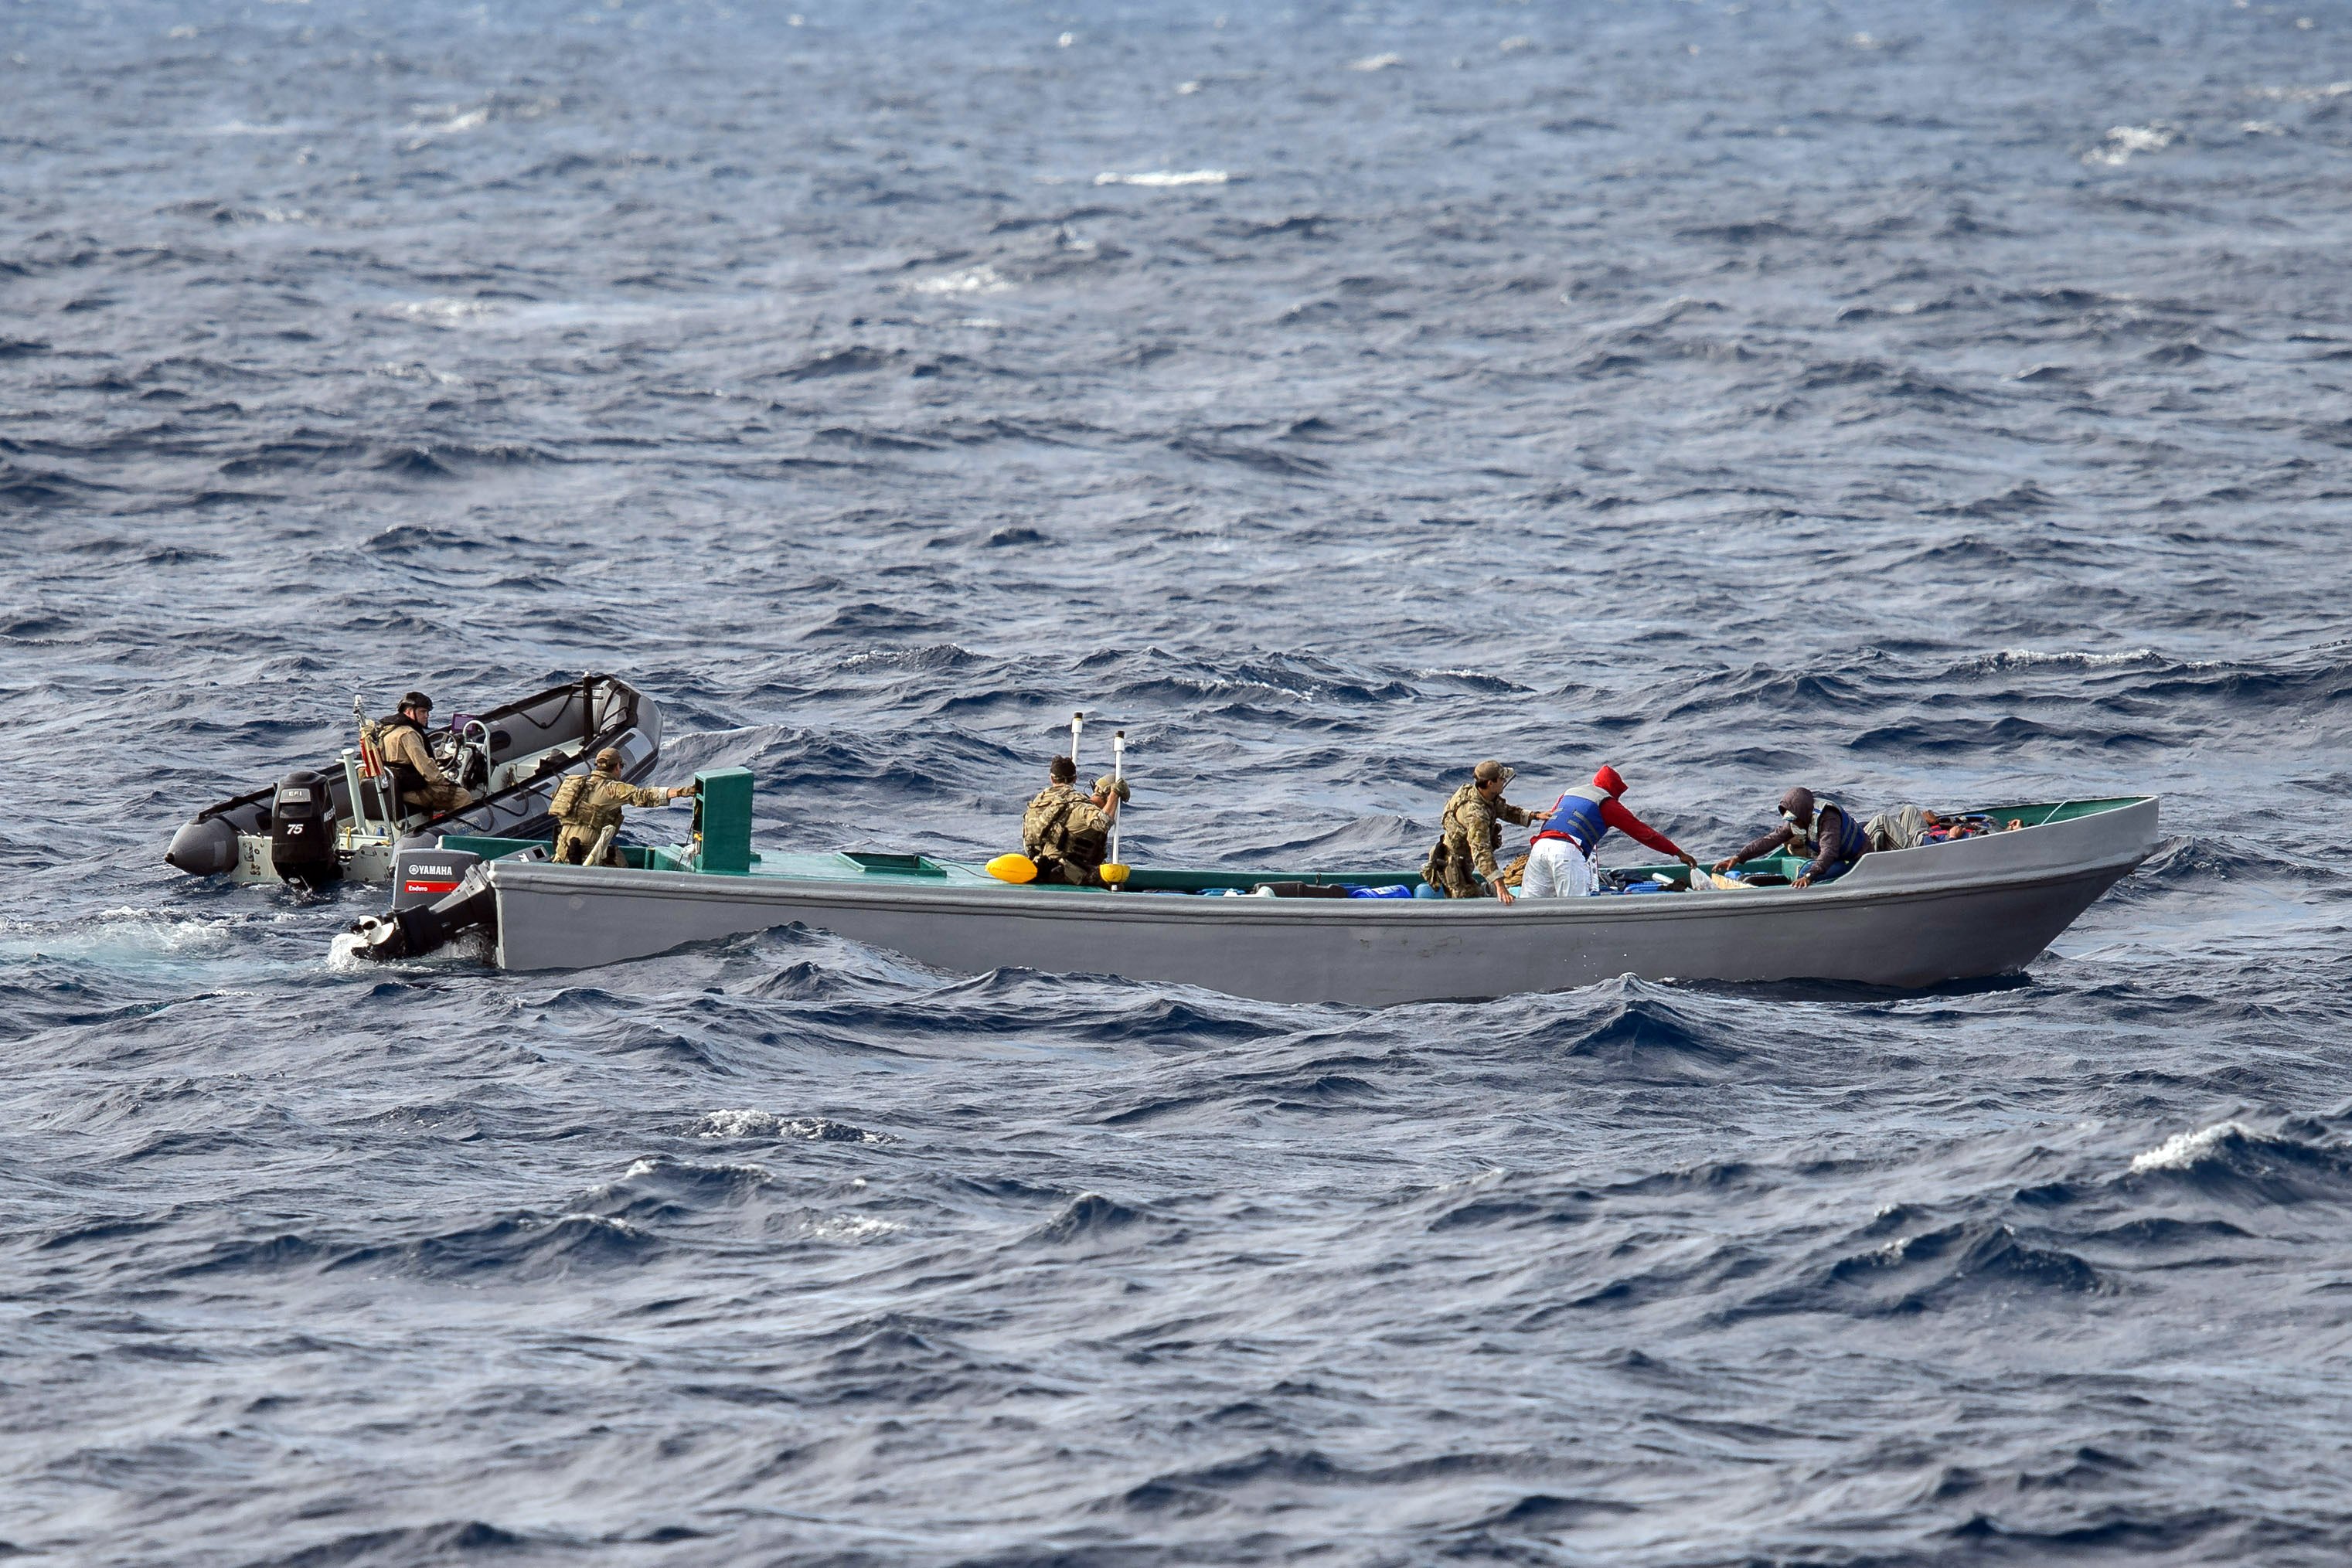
column 512, row 757
column 1971, row 908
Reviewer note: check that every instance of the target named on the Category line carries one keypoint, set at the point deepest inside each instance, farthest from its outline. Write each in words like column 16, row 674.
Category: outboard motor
column 427, row 912
column 423, row 928
column 428, row 874
column 302, row 829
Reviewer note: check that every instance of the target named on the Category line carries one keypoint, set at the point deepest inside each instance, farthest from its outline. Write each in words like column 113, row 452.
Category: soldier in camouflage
column 421, row 784
column 1469, row 834
column 588, row 803
column 1067, row 834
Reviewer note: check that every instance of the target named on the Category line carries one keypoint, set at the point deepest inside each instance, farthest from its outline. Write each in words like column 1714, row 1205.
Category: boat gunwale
column 1081, row 903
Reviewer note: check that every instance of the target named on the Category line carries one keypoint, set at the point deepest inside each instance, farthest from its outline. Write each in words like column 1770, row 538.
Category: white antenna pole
column 362, row 779
column 1118, row 770
column 1078, row 728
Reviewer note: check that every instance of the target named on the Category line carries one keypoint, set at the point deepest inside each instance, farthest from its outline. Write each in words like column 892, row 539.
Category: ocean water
column 1941, row 401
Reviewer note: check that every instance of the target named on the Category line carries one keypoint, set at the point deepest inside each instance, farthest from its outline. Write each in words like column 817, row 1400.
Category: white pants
column 1556, row 869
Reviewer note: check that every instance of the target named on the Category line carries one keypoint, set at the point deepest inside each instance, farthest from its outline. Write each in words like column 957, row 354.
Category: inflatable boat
column 1973, row 906
column 339, row 819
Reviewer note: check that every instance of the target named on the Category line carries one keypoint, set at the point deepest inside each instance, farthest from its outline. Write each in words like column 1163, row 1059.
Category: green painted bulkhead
column 722, row 822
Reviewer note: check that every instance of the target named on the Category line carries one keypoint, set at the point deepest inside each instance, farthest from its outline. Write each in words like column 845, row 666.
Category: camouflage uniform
column 1067, row 834
column 403, row 748
column 1468, row 838
column 588, row 803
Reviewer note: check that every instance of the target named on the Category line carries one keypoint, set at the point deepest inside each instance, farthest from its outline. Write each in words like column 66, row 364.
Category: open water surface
column 1937, row 401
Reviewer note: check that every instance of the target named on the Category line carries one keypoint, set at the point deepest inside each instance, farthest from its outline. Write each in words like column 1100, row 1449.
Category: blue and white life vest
column 1577, row 818
column 1853, row 843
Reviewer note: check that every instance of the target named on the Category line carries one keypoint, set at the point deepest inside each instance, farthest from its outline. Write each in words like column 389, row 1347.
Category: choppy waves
column 1926, row 405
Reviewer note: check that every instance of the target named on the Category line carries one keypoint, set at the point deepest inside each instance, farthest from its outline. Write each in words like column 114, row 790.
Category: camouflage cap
column 1107, row 785
column 608, row 760
column 1493, row 772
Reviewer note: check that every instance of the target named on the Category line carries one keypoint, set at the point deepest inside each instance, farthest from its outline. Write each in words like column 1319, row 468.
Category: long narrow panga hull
column 1962, row 910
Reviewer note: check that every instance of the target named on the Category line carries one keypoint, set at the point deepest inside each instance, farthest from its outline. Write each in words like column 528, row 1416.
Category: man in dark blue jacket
column 1824, row 829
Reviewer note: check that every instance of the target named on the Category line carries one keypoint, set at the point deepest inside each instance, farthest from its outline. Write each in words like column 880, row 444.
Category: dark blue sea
column 1946, row 402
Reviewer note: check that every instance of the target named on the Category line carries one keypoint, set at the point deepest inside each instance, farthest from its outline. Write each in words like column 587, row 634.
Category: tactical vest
column 567, row 797
column 1438, row 869
column 1853, row 843
column 405, row 778
column 1459, row 804
column 1041, row 825
column 1577, row 818
column 580, row 802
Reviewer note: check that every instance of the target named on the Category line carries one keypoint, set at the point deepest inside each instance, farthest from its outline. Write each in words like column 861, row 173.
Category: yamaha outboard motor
column 437, row 895
column 427, row 873
column 302, row 829
column 414, row 930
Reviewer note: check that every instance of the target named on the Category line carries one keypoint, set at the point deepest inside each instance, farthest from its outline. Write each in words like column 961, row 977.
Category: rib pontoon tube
column 1962, row 910
column 533, row 744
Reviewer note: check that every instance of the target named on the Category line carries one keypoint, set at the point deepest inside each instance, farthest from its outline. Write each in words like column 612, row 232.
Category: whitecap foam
column 119, row 936
column 167, row 934
column 649, row 1165
column 1475, row 1182
column 1376, row 62
column 453, row 120
column 2302, row 94
column 852, row 1228
column 737, row 1125
column 2065, row 659
column 2125, row 141
column 441, row 312
column 2182, row 1151
column 1165, row 177
column 654, row 1164
column 768, row 1124
column 981, row 279
column 419, row 373
column 599, row 1222
column 469, row 949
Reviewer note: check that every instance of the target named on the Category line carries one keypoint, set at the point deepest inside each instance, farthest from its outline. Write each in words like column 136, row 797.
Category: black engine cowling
column 302, row 828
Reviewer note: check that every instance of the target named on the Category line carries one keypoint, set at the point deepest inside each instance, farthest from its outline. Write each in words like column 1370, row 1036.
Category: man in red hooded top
column 1559, row 861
